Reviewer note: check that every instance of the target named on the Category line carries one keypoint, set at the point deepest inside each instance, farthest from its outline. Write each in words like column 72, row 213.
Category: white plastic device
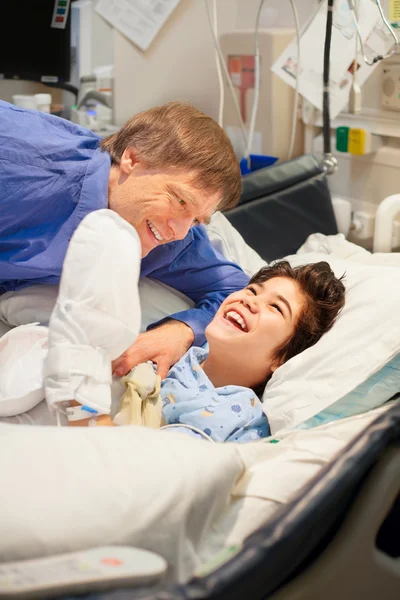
column 390, row 92
column 80, row 572
column 43, row 102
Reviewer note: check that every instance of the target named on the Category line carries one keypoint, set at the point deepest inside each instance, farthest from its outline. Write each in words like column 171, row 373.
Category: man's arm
column 207, row 278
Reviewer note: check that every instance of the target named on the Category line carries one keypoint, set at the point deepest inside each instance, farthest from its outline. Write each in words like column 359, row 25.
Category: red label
column 111, row 562
column 241, row 69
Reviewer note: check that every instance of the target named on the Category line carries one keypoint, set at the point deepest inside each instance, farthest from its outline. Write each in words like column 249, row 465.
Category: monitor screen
column 35, row 40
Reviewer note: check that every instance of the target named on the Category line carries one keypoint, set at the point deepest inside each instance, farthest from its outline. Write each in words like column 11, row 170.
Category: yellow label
column 356, row 141
column 394, row 10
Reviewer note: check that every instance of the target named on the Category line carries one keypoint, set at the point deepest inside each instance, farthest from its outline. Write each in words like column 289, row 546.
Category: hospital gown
column 226, row 414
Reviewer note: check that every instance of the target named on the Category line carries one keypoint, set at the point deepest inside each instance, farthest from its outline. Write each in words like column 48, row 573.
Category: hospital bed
column 339, row 535
column 339, row 538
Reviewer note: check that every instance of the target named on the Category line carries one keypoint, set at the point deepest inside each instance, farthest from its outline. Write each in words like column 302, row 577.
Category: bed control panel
column 85, row 571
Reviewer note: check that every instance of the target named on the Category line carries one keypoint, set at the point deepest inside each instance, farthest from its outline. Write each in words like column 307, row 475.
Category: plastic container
column 24, row 101
column 43, row 102
column 257, row 161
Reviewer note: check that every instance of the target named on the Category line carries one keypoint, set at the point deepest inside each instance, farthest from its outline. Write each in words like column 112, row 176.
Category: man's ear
column 128, row 160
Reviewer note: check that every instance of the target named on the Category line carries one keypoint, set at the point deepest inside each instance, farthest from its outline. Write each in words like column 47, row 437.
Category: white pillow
column 66, row 489
column 227, row 240
column 364, row 339
column 22, row 353
column 36, row 303
column 33, row 304
column 159, row 300
column 4, row 328
column 373, row 392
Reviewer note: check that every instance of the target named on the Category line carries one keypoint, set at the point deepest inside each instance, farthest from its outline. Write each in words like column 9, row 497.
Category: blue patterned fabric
column 226, row 414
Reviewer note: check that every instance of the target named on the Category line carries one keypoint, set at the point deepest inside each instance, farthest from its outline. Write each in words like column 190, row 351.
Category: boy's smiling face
column 253, row 323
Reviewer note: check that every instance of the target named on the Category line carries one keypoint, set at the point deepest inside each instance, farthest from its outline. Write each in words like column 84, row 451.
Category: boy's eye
column 252, row 290
column 278, row 308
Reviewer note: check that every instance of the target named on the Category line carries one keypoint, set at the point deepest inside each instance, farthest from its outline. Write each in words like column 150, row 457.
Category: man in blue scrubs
column 165, row 172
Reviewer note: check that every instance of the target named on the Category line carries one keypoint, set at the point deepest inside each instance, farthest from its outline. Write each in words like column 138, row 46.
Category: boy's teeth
column 232, row 314
column 157, row 234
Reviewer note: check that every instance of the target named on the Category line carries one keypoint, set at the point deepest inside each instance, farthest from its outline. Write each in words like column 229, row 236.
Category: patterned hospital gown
column 226, row 414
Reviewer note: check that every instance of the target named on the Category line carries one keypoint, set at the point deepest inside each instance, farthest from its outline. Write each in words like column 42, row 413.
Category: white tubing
column 219, row 70
column 384, row 217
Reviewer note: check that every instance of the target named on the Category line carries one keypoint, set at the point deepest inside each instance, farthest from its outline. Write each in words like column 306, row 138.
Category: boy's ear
column 278, row 362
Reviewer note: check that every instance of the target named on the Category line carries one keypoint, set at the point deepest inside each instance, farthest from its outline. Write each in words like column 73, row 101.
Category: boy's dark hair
column 324, row 298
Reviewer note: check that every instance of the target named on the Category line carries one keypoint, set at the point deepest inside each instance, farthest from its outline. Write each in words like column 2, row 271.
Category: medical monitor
column 35, row 40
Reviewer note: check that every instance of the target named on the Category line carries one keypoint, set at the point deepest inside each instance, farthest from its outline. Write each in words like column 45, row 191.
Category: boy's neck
column 220, row 373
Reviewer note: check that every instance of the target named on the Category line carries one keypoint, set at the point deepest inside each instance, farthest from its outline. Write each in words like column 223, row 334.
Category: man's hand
column 164, row 345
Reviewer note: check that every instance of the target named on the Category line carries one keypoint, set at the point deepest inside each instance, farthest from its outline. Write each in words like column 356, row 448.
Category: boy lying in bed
column 213, row 393
column 281, row 312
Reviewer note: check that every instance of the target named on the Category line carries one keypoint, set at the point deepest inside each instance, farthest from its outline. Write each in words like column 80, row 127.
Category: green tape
column 216, row 561
column 342, row 139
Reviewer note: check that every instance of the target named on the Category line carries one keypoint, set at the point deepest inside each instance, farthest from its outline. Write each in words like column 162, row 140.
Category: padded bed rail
column 301, row 532
column 282, row 205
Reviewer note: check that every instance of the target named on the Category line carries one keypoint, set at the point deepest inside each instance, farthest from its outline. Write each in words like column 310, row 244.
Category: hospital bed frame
column 340, row 536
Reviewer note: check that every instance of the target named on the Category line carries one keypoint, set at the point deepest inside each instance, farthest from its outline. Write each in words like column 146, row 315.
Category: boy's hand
column 101, row 420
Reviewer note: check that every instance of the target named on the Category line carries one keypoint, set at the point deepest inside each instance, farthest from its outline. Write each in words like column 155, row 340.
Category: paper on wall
column 376, row 40
column 138, row 20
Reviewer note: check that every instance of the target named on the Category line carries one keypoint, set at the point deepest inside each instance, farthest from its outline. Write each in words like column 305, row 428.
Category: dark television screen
column 30, row 47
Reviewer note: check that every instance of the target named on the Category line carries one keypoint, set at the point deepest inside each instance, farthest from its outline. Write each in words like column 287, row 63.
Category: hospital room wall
column 180, row 63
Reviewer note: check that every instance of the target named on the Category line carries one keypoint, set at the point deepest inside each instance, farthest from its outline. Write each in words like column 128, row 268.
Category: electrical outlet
column 396, row 234
column 363, row 224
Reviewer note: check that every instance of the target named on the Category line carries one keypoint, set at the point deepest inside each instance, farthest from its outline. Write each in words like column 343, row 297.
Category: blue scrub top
column 52, row 174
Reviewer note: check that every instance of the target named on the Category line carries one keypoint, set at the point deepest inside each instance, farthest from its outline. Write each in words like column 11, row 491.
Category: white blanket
column 67, row 489
column 338, row 247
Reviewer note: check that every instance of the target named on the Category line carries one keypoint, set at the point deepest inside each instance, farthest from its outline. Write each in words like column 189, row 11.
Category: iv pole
column 329, row 162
